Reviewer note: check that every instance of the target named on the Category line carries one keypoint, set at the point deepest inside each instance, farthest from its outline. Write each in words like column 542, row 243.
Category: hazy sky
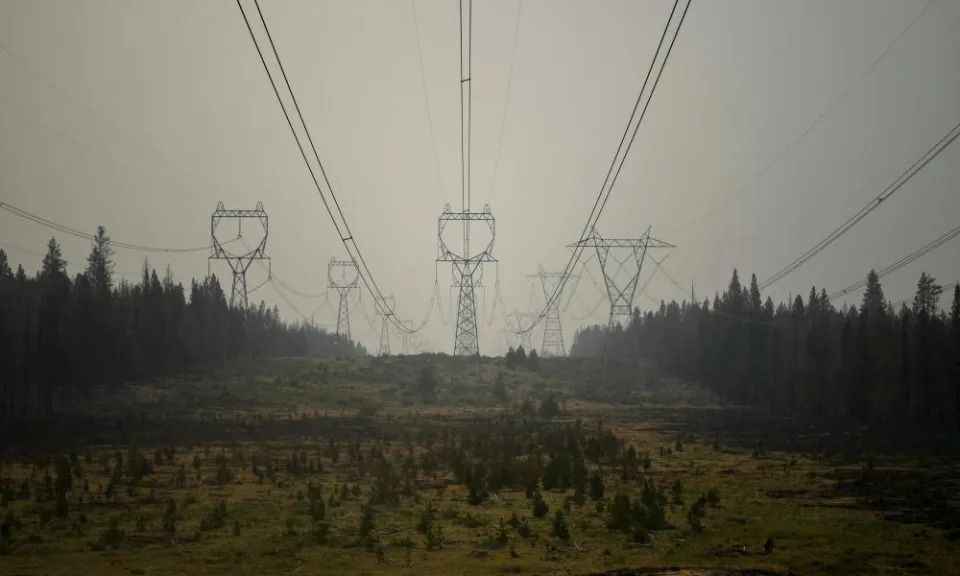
column 142, row 115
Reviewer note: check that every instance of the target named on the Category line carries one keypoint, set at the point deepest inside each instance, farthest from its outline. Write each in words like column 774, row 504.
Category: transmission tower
column 239, row 263
column 467, row 274
column 467, row 265
column 343, row 277
column 409, row 341
column 524, row 320
column 552, row 329
column 621, row 296
column 385, row 326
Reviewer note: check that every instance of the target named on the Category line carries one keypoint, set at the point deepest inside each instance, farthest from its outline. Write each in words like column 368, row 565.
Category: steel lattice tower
column 409, row 341
column 524, row 321
column 467, row 274
column 552, row 328
column 239, row 263
column 467, row 265
column 621, row 296
column 343, row 277
column 385, row 327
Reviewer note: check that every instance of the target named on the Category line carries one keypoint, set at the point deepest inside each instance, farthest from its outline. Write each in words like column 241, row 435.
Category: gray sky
column 142, row 115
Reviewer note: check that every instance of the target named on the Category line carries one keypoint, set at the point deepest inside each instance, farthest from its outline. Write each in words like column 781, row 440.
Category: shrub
column 540, row 507
column 317, row 509
column 499, row 388
column 61, row 502
column 427, row 383
column 696, row 513
column 549, row 408
column 560, row 529
column 596, row 487
column 319, row 533
column 112, row 536
column 501, row 536
column 224, row 475
column 523, row 528
column 713, row 498
column 366, row 524
column 434, row 538
column 425, row 523
column 215, row 518
column 677, row 490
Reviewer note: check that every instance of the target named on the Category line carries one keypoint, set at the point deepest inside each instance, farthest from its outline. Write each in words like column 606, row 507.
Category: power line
column 287, row 300
column 337, row 217
column 622, row 149
column 87, row 236
column 426, row 98
column 19, row 249
column 945, row 289
column 816, row 122
column 506, row 103
column 852, row 221
column 927, row 248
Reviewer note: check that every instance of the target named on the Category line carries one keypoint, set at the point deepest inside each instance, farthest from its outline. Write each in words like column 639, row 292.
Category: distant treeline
column 66, row 336
column 876, row 364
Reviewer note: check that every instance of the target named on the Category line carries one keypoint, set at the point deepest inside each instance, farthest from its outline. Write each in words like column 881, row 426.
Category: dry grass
column 293, row 406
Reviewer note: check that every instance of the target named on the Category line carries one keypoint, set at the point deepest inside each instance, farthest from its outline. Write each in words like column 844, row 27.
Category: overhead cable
column 87, row 236
column 853, row 220
column 325, row 190
column 923, row 251
column 626, row 142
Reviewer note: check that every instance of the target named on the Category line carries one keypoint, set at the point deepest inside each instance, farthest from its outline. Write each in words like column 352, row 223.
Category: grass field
column 258, row 470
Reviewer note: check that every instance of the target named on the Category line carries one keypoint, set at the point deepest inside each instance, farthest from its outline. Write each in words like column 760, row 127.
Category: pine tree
column 734, row 295
column 955, row 307
column 100, row 264
column 5, row 270
column 927, row 299
column 768, row 308
column 873, row 300
column 53, row 264
column 756, row 303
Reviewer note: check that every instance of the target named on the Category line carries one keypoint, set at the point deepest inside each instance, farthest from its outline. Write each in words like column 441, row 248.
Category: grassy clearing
column 221, row 473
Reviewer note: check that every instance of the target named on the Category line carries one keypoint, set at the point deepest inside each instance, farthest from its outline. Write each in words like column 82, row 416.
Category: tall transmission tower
column 343, row 277
column 467, row 265
column 385, row 327
column 467, row 274
column 239, row 263
column 621, row 295
column 552, row 328
column 409, row 341
column 523, row 321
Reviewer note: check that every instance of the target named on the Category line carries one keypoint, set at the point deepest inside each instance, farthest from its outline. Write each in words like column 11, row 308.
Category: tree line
column 876, row 364
column 61, row 336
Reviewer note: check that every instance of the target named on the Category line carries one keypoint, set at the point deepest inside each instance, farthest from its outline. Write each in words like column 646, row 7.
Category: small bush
column 434, row 538
column 367, row 524
column 224, row 475
column 560, row 529
column 319, row 533
column 540, row 507
column 215, row 518
column 696, row 514
column 713, row 498
column 501, row 537
column 112, row 536
column 677, row 490
column 427, row 517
